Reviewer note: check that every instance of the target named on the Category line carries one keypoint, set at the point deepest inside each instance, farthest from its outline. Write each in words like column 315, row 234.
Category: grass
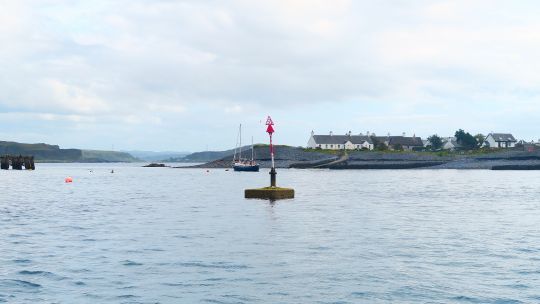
column 442, row 153
column 325, row 151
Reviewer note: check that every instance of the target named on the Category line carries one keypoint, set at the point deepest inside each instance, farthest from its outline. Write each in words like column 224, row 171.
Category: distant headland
column 52, row 153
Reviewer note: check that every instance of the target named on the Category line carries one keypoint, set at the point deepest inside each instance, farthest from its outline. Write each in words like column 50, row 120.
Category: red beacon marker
column 273, row 192
column 270, row 130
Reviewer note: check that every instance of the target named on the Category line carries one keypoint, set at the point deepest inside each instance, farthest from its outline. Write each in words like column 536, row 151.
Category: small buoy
column 112, row 171
column 207, row 170
column 69, row 179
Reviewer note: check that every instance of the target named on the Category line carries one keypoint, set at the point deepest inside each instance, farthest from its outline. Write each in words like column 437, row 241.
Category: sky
column 167, row 75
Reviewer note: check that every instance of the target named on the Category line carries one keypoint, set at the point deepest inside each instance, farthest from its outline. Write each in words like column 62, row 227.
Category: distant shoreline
column 300, row 158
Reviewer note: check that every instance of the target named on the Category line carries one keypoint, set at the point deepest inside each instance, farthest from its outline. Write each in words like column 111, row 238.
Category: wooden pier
column 17, row 162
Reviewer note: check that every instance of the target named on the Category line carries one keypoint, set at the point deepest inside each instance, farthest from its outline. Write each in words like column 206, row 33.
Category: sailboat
column 241, row 164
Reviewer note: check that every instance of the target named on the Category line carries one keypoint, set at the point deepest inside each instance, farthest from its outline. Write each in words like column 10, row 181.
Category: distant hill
column 284, row 156
column 52, row 153
column 262, row 152
column 96, row 156
column 206, row 156
column 156, row 156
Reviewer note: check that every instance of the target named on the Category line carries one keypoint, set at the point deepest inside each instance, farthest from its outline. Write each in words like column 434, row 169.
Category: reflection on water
column 159, row 235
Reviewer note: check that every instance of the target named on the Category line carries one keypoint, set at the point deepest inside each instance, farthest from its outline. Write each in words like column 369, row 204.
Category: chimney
column 367, row 133
column 350, row 132
column 331, row 133
column 312, row 133
column 404, row 134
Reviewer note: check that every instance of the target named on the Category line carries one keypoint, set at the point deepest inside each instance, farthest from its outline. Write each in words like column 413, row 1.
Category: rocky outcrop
column 284, row 156
column 293, row 157
column 154, row 165
column 517, row 167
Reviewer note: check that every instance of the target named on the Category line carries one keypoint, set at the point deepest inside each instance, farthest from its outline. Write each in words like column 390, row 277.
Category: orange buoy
column 69, row 179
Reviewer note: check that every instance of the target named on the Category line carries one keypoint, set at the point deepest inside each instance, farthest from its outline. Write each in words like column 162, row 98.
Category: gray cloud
column 186, row 64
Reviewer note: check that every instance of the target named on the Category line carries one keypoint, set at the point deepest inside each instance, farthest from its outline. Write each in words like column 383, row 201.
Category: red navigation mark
column 269, row 121
column 270, row 129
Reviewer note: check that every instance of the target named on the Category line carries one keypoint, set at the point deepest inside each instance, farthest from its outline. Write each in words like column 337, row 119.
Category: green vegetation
column 377, row 144
column 480, row 139
column 52, row 153
column 324, row 151
column 466, row 140
column 439, row 153
column 106, row 156
column 435, row 142
column 41, row 152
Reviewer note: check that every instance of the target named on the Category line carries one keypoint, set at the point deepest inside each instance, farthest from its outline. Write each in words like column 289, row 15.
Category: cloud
column 182, row 65
column 74, row 99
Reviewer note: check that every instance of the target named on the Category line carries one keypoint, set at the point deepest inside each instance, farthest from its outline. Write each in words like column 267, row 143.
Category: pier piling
column 4, row 162
column 17, row 162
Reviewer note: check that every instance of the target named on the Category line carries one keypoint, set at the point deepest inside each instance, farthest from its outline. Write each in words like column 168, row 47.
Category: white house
column 499, row 140
column 450, row 143
column 340, row 142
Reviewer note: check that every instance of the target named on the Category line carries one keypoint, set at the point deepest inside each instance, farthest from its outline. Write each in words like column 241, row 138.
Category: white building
column 450, row 143
column 499, row 140
column 340, row 142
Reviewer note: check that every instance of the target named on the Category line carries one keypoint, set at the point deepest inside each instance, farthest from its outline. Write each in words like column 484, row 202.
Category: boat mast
column 240, row 154
column 235, row 148
column 252, row 153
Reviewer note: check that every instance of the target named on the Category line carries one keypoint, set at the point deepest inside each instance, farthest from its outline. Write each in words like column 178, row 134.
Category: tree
column 378, row 144
column 480, row 139
column 382, row 147
column 466, row 140
column 436, row 142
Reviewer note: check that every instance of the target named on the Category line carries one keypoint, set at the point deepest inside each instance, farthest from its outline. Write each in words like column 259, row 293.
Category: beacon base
column 270, row 193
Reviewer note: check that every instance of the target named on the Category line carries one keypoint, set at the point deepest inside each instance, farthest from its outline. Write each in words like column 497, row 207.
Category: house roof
column 451, row 141
column 402, row 140
column 505, row 137
column 405, row 141
column 340, row 139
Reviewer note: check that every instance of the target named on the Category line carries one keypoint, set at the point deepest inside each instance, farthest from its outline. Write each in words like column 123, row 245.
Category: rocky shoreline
column 299, row 158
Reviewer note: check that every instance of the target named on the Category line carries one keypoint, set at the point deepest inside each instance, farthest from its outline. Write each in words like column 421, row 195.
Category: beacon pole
column 270, row 131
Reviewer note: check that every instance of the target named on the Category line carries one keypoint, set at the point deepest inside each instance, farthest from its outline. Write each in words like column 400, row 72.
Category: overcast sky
column 181, row 75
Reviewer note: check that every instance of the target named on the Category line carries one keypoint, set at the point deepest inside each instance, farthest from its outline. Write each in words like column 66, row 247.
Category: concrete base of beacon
column 270, row 193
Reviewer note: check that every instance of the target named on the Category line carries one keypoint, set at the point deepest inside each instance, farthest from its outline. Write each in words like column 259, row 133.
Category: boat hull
column 249, row 168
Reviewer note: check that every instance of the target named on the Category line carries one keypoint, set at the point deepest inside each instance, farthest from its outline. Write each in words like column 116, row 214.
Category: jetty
column 17, row 162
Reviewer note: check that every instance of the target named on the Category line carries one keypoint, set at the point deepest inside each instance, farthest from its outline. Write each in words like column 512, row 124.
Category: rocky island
column 301, row 158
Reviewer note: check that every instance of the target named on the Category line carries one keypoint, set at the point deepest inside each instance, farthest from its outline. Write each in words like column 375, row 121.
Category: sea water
column 162, row 235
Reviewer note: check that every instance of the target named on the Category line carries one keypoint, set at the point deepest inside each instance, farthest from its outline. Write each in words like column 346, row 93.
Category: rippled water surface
column 158, row 235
